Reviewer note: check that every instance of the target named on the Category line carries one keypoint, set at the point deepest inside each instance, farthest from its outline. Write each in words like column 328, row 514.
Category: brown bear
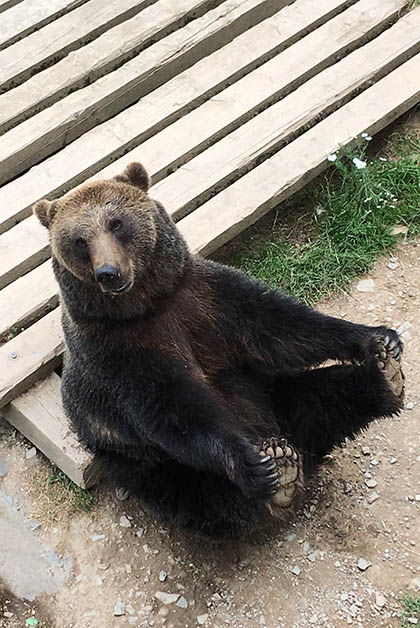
column 196, row 384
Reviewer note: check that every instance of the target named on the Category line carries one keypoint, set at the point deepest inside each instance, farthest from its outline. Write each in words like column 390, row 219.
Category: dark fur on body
column 176, row 381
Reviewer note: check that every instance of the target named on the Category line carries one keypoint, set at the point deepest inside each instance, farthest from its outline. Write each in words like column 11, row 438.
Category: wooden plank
column 39, row 415
column 27, row 299
column 21, row 249
column 249, row 198
column 181, row 94
column 29, row 15
column 53, row 128
column 234, row 155
column 182, row 191
column 54, row 41
column 30, row 356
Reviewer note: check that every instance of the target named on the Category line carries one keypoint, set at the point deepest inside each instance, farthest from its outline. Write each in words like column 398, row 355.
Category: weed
column 355, row 209
column 82, row 500
column 411, row 610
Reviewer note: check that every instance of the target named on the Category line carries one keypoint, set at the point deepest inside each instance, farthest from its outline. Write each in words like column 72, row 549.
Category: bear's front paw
column 388, row 341
column 256, row 476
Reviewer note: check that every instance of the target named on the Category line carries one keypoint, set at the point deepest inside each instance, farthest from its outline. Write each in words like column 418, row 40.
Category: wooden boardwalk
column 232, row 106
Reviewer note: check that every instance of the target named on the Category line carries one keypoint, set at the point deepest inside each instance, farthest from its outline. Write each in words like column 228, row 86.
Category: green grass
column 411, row 610
column 81, row 499
column 359, row 208
column 414, row 3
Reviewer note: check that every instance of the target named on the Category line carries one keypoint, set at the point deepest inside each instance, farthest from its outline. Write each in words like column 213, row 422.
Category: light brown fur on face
column 103, row 223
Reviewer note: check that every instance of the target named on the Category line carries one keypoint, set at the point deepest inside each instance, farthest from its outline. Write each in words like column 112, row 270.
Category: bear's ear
column 45, row 211
column 135, row 174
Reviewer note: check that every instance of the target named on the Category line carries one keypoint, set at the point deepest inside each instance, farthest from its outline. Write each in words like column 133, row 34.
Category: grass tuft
column 81, row 499
column 354, row 211
column 411, row 610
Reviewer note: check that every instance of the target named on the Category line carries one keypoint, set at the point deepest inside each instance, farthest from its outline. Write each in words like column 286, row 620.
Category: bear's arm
column 278, row 332
column 175, row 410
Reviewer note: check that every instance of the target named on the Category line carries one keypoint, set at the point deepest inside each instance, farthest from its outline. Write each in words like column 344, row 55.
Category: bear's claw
column 289, row 471
column 389, row 360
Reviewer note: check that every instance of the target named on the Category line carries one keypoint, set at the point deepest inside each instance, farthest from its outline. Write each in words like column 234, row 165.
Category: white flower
column 332, row 157
column 319, row 210
column 359, row 163
column 366, row 136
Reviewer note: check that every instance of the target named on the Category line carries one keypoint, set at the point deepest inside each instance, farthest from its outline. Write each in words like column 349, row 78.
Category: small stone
column 380, row 600
column 125, row 522
column 414, row 585
column 140, row 532
column 348, row 487
column 392, row 265
column 371, row 483
column 119, row 609
column 132, row 620
column 393, row 460
column 31, row 453
column 365, row 285
column 3, row 469
column 409, row 405
column 417, row 498
column 296, row 570
column 399, row 229
column 7, row 614
column 201, row 619
column 163, row 611
column 365, row 451
column 166, row 598
column 182, row 602
column 363, row 564
column 412, row 620
column 162, row 576
column 372, row 497
column 291, row 536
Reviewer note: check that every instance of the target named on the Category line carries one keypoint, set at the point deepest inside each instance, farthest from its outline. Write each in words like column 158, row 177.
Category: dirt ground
column 353, row 548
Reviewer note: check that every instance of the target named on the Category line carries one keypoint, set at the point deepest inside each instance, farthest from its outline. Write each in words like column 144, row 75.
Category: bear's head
column 104, row 232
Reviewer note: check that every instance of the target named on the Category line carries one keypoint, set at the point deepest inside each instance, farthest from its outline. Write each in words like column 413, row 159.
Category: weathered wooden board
column 237, row 153
column 181, row 94
column 48, row 428
column 7, row 4
column 21, row 249
column 54, row 41
column 188, row 136
column 30, row 356
column 30, row 15
column 27, row 299
column 58, row 125
column 249, row 198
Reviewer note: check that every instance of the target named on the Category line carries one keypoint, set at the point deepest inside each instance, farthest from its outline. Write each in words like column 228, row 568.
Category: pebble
column 363, row 564
column 392, row 265
column 417, row 498
column 372, row 497
column 412, row 620
column 125, row 522
column 296, row 570
column 162, row 576
column 365, row 285
column 31, row 453
column 97, row 537
column 166, row 598
column 121, row 493
column 3, row 469
column 182, row 602
column 365, row 451
column 371, row 483
column 399, row 229
column 409, row 405
column 119, row 609
column 348, row 488
column 414, row 585
column 140, row 532
column 7, row 614
column 380, row 600
column 201, row 619
column 393, row 460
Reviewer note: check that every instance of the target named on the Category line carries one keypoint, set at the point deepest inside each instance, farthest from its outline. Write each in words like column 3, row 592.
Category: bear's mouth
column 114, row 291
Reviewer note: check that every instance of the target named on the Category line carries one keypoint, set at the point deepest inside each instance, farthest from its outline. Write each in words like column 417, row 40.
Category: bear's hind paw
column 389, row 361
column 289, row 468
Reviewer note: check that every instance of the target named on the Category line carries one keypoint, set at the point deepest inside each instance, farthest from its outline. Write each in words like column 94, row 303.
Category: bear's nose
column 106, row 274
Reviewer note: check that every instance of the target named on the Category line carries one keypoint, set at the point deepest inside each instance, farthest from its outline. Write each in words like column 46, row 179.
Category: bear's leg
column 319, row 409
column 290, row 473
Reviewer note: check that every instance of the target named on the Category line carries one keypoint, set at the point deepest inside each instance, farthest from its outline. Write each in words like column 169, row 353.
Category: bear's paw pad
column 389, row 360
column 289, row 469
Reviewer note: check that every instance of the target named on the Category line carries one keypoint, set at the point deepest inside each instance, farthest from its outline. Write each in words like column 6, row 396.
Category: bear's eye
column 116, row 225
column 80, row 243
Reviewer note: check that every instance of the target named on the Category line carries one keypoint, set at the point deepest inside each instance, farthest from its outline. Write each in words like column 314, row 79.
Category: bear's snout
column 109, row 278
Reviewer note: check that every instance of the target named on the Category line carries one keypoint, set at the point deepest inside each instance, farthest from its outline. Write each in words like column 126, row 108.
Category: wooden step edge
column 8, row 4
column 14, row 211
column 271, row 183
column 30, row 356
column 38, row 415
